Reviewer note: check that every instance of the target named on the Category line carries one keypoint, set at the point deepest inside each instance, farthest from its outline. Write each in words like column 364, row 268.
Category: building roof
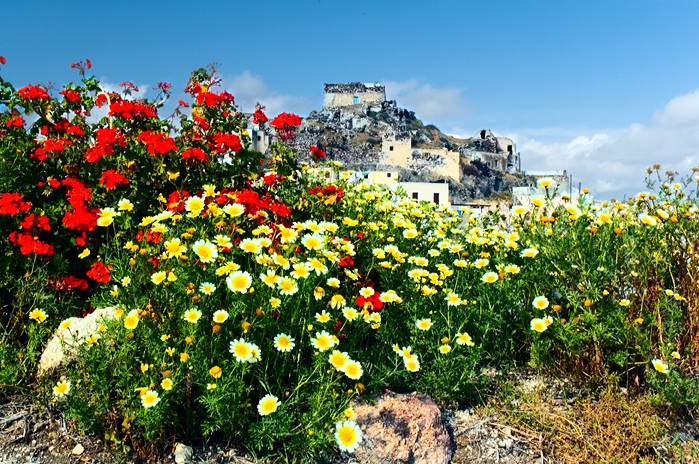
column 353, row 87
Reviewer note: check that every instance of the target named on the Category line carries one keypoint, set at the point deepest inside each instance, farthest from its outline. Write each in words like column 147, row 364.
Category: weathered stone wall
column 439, row 161
column 355, row 93
column 396, row 152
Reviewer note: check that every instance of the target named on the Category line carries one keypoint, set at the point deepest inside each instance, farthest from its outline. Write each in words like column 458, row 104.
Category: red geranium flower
column 317, row 152
column 73, row 282
column 11, row 203
column 195, row 154
column 33, row 92
column 159, row 144
column 15, row 122
column 99, row 272
column 225, row 142
column 111, row 178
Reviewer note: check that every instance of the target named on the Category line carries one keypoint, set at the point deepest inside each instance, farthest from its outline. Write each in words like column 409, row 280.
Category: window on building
column 435, row 198
column 388, row 174
column 390, row 148
column 509, row 149
column 327, row 175
column 414, row 195
column 482, row 134
column 356, row 99
column 259, row 138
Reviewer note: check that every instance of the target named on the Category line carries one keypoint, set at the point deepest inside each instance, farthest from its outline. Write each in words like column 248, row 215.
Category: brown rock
column 400, row 429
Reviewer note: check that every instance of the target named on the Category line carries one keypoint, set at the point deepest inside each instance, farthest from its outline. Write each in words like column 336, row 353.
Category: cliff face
column 354, row 135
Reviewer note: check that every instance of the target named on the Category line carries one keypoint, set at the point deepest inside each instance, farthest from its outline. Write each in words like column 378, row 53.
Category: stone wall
column 355, row 93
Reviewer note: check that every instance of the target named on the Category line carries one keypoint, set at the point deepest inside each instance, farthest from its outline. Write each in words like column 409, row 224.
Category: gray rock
column 183, row 453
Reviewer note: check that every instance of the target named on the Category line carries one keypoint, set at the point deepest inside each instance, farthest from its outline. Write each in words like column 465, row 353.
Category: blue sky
column 600, row 88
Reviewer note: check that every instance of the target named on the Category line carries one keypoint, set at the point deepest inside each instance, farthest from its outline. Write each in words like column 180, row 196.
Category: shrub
column 86, row 151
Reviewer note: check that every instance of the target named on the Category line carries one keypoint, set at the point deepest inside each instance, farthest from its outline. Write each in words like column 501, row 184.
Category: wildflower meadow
column 247, row 296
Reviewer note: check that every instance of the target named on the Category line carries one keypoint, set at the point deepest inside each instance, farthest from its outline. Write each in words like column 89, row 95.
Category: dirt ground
column 538, row 422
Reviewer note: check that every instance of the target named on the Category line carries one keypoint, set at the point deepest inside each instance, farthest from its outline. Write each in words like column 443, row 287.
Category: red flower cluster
column 201, row 121
column 56, row 144
column 39, row 154
column 272, row 179
column 66, row 126
column 213, row 99
column 226, row 142
column 329, row 191
column 317, row 152
column 111, row 178
column 195, row 154
column 11, row 203
column 42, row 222
column 346, row 261
column 102, row 98
column 3, row 60
column 15, row 122
column 79, row 65
column 128, row 110
column 258, row 116
column 29, row 244
column 285, row 120
column 33, row 92
column 99, row 272
column 157, row 143
column 78, row 193
column 129, row 85
column 80, row 219
column 105, row 140
column 372, row 303
column 73, row 282
column 253, row 203
column 71, row 95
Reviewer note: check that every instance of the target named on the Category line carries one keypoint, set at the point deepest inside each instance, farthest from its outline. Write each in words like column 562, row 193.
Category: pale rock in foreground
column 402, row 429
column 183, row 453
column 63, row 345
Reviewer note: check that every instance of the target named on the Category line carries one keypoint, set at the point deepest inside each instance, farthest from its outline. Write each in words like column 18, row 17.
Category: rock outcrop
column 354, row 134
column 402, row 429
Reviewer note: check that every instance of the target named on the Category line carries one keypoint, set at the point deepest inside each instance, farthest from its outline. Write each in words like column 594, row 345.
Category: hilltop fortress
column 498, row 153
column 372, row 136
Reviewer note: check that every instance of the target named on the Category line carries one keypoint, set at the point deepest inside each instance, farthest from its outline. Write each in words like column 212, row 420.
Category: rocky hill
column 357, row 135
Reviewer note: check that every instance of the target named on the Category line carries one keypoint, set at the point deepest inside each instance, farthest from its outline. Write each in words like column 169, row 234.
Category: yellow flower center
column 204, row 252
column 347, row 436
column 269, row 405
column 240, row 282
column 283, row 342
column 149, row 398
column 322, row 341
column 241, row 350
column 352, row 370
column 195, row 205
column 338, row 360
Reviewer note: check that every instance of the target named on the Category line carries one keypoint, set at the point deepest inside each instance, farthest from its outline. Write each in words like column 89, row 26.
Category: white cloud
column 429, row 103
column 249, row 89
column 612, row 162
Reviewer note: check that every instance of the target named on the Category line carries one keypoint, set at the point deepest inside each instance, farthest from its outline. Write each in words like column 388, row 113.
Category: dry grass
column 613, row 428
